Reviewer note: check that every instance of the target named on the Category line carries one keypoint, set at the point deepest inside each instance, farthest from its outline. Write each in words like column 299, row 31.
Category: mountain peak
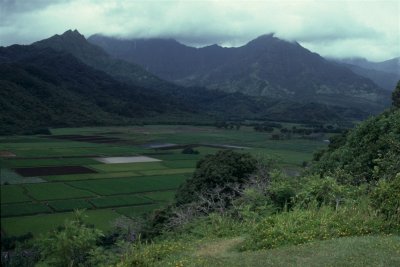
column 70, row 37
column 263, row 40
column 72, row 42
column 72, row 34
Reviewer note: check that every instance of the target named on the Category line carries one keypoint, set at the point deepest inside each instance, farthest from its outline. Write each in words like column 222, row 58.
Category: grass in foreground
column 349, row 251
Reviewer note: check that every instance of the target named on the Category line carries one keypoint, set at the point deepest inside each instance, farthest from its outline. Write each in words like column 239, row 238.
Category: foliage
column 367, row 153
column 323, row 191
column 282, row 192
column 10, row 242
column 225, row 167
column 386, row 198
column 306, row 225
column 148, row 254
column 252, row 205
column 23, row 255
column 70, row 246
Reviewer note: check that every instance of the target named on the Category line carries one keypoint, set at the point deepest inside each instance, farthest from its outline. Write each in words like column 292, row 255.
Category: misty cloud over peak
column 332, row 28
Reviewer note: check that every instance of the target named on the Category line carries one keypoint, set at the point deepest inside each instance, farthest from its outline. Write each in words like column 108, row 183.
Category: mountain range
column 266, row 66
column 67, row 81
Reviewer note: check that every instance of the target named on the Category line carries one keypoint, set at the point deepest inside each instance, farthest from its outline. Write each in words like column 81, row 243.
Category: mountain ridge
column 266, row 66
column 75, row 43
column 50, row 84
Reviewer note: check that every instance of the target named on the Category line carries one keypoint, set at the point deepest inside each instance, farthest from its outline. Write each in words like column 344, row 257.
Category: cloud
column 332, row 28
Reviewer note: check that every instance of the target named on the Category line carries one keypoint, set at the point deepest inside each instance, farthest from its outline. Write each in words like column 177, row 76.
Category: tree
column 72, row 245
column 396, row 96
column 224, row 168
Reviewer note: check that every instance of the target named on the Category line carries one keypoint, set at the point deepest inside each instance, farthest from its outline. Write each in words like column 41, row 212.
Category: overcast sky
column 338, row 28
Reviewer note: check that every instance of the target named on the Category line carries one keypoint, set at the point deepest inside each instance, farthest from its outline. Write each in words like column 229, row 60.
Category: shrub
column 281, row 194
column 323, row 191
column 386, row 198
column 302, row 226
column 148, row 254
column 223, row 168
column 70, row 246
column 367, row 153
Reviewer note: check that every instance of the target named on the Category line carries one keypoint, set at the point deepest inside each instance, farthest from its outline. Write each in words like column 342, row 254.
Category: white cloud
column 332, row 28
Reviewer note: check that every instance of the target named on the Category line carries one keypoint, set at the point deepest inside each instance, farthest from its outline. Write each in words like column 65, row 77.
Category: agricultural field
column 117, row 171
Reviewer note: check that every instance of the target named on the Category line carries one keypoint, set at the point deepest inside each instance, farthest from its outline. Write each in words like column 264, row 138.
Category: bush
column 223, row 168
column 302, row 226
column 322, row 191
column 386, row 199
column 367, row 153
column 149, row 254
column 70, row 246
column 282, row 193
column 252, row 205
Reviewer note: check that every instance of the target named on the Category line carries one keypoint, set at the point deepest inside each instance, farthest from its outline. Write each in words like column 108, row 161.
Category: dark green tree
column 224, row 168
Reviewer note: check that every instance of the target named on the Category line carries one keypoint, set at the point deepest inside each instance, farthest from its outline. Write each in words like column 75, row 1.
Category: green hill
column 42, row 87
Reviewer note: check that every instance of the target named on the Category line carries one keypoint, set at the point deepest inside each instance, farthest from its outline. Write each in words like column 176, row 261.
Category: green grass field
column 167, row 171
column 49, row 191
column 133, row 211
column 119, row 201
column 23, row 209
column 21, row 163
column 130, row 188
column 163, row 196
column 91, row 176
column 128, row 166
column 69, row 204
column 130, row 185
column 13, row 194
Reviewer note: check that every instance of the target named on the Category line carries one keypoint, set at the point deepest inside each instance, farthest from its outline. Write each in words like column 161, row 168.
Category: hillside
column 42, row 87
column 75, row 43
column 266, row 66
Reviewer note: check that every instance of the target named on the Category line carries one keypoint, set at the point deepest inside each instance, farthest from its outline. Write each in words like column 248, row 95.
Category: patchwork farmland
column 115, row 171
